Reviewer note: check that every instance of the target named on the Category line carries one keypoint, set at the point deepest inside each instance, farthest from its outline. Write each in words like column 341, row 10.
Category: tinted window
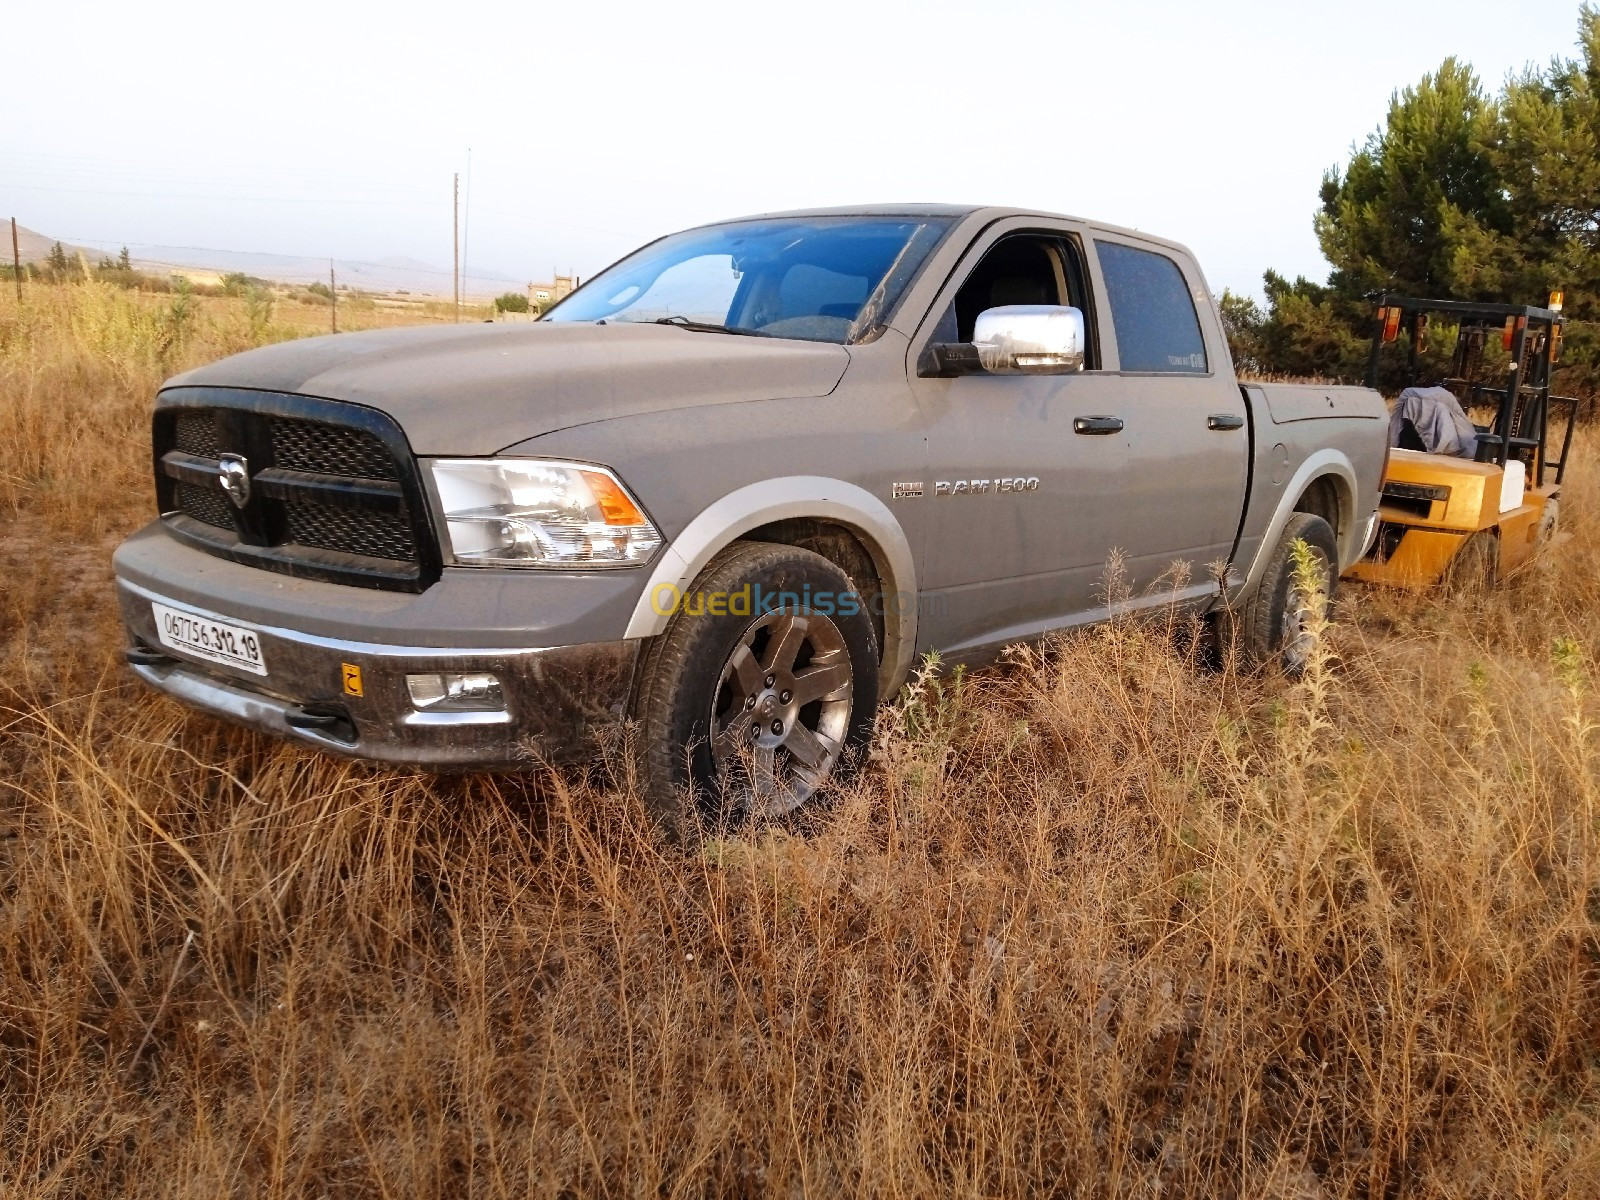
column 1019, row 269
column 810, row 289
column 1151, row 310
column 699, row 289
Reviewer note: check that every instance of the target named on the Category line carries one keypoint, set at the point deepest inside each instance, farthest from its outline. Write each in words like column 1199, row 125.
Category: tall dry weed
column 1099, row 921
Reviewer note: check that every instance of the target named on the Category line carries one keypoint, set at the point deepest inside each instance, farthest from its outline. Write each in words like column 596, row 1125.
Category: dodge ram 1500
column 731, row 488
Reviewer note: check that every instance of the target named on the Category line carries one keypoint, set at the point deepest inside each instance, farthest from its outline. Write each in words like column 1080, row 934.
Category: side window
column 1020, row 269
column 1152, row 311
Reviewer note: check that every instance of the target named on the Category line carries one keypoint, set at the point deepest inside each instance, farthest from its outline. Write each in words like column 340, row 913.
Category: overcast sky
column 333, row 128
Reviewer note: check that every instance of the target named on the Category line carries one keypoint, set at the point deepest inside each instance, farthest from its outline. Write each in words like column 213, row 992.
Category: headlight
column 529, row 512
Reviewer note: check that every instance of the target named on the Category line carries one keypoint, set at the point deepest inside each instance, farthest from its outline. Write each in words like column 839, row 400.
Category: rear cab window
column 1152, row 311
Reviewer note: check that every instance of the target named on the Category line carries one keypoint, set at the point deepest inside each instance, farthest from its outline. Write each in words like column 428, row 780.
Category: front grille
column 197, row 434
column 1414, row 498
column 334, row 491
column 210, row 507
column 330, row 450
column 352, row 530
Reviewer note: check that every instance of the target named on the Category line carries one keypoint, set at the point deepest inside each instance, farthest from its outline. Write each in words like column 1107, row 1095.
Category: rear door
column 1185, row 434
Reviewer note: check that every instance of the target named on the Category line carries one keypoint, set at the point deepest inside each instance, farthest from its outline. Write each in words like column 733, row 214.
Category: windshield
column 812, row 278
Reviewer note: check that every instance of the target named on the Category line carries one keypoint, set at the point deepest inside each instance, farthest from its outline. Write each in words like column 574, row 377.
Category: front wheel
column 1476, row 566
column 766, row 676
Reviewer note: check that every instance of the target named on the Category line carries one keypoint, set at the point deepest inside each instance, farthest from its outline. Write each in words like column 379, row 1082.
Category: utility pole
column 455, row 234
column 16, row 260
column 333, row 298
column 466, row 234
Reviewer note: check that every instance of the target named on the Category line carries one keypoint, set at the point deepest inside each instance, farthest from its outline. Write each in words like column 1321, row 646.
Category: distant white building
column 543, row 295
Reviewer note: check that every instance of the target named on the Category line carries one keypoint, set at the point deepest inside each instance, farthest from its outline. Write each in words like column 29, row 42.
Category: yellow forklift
column 1484, row 510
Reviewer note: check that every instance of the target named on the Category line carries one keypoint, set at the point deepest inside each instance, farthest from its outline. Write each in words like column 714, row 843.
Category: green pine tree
column 1460, row 195
column 1389, row 220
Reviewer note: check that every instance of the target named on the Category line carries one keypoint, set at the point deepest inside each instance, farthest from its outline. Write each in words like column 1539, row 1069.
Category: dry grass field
column 1094, row 922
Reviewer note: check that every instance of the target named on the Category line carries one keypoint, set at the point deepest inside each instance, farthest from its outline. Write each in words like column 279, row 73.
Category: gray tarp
column 1437, row 417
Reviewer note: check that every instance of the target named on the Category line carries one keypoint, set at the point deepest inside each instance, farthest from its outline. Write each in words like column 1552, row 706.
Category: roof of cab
column 861, row 210
column 990, row 212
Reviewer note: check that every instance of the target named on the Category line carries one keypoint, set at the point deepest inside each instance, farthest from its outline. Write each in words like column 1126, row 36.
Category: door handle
column 1224, row 421
column 1096, row 424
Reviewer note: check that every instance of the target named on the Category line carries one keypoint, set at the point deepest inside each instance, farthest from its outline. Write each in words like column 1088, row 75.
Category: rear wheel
column 1549, row 522
column 763, row 681
column 1275, row 623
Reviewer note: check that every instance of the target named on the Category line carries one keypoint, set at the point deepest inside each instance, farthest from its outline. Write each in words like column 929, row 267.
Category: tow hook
column 143, row 656
column 326, row 719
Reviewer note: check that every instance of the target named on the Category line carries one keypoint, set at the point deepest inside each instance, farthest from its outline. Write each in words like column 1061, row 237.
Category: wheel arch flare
column 816, row 497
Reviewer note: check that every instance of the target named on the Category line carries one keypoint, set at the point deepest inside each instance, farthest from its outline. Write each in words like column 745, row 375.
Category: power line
column 254, row 164
column 34, row 187
column 627, row 233
column 24, row 176
column 212, row 172
column 528, row 218
column 103, row 243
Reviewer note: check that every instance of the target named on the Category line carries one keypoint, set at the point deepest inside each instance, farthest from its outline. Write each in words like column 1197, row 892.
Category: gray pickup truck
column 731, row 488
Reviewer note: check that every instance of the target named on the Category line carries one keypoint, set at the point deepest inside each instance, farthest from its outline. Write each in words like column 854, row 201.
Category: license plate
column 214, row 641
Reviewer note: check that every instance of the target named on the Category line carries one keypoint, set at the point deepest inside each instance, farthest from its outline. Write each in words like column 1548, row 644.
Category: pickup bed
column 732, row 488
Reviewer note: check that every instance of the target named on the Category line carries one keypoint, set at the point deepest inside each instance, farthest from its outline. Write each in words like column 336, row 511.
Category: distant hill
column 395, row 273
column 391, row 274
column 35, row 247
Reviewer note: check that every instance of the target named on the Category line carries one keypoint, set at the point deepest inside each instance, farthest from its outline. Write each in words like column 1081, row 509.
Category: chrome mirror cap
column 1029, row 339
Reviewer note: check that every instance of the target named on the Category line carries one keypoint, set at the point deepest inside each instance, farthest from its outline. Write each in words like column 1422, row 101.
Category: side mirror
column 1014, row 339
column 1030, row 339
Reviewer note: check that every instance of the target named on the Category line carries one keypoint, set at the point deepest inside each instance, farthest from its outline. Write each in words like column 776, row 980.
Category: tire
column 707, row 718
column 1549, row 523
column 1264, row 622
column 1476, row 566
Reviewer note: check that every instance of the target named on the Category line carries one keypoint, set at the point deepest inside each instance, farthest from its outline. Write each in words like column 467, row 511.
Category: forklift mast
column 1531, row 338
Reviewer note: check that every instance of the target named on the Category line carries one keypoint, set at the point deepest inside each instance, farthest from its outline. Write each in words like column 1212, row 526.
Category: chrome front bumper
column 555, row 699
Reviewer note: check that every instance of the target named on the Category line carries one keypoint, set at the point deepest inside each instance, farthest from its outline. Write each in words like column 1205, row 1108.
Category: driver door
column 1025, row 491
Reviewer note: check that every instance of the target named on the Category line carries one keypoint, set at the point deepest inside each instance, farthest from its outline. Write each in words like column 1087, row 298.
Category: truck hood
column 476, row 389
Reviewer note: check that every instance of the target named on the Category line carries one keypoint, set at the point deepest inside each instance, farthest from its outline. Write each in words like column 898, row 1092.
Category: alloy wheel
column 1299, row 622
column 781, row 710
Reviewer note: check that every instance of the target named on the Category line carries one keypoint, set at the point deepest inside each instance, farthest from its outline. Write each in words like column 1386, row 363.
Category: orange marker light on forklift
column 1556, row 300
column 1391, row 323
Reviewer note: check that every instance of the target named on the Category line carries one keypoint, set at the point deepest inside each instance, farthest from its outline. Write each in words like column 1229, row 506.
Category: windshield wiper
column 708, row 327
